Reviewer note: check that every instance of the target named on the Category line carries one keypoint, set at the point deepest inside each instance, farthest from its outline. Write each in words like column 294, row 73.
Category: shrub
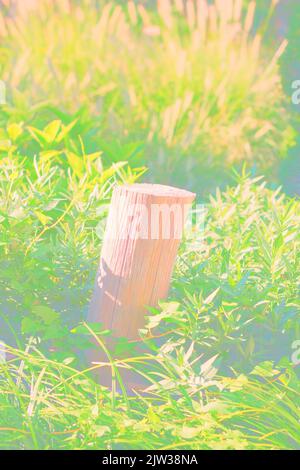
column 51, row 201
column 236, row 292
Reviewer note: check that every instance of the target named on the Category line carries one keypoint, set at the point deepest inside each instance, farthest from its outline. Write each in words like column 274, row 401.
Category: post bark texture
column 143, row 231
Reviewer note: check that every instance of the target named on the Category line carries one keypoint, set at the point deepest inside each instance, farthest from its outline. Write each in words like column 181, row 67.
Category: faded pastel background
column 196, row 93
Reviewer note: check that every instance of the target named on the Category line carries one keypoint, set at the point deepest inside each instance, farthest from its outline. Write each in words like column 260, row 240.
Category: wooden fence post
column 144, row 228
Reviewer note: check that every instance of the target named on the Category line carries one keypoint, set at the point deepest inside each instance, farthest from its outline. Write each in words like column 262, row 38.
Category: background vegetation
column 185, row 88
column 101, row 93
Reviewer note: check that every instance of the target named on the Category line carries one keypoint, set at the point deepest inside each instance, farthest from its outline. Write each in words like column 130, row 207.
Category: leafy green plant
column 236, row 291
column 50, row 205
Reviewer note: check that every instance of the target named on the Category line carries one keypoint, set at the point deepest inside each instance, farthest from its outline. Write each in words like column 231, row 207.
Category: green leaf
column 38, row 135
column 28, row 325
column 45, row 313
column 106, row 174
column 76, row 163
column 51, row 130
column 44, row 219
column 265, row 369
column 14, row 131
column 65, row 131
column 211, row 297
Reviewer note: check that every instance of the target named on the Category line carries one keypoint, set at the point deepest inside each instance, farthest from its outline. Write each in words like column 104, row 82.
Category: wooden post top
column 158, row 190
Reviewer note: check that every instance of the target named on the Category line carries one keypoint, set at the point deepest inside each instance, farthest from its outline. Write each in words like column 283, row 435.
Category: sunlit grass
column 49, row 405
column 186, row 81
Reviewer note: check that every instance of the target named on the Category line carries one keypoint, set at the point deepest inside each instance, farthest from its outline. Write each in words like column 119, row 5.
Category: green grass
column 49, row 405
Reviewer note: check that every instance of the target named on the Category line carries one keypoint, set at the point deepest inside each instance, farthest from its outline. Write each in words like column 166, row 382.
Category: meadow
column 187, row 93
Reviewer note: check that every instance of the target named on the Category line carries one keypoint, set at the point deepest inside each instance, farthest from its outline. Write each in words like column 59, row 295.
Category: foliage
column 49, row 405
column 95, row 90
column 240, row 280
column 51, row 202
column 225, row 288
column 181, row 82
